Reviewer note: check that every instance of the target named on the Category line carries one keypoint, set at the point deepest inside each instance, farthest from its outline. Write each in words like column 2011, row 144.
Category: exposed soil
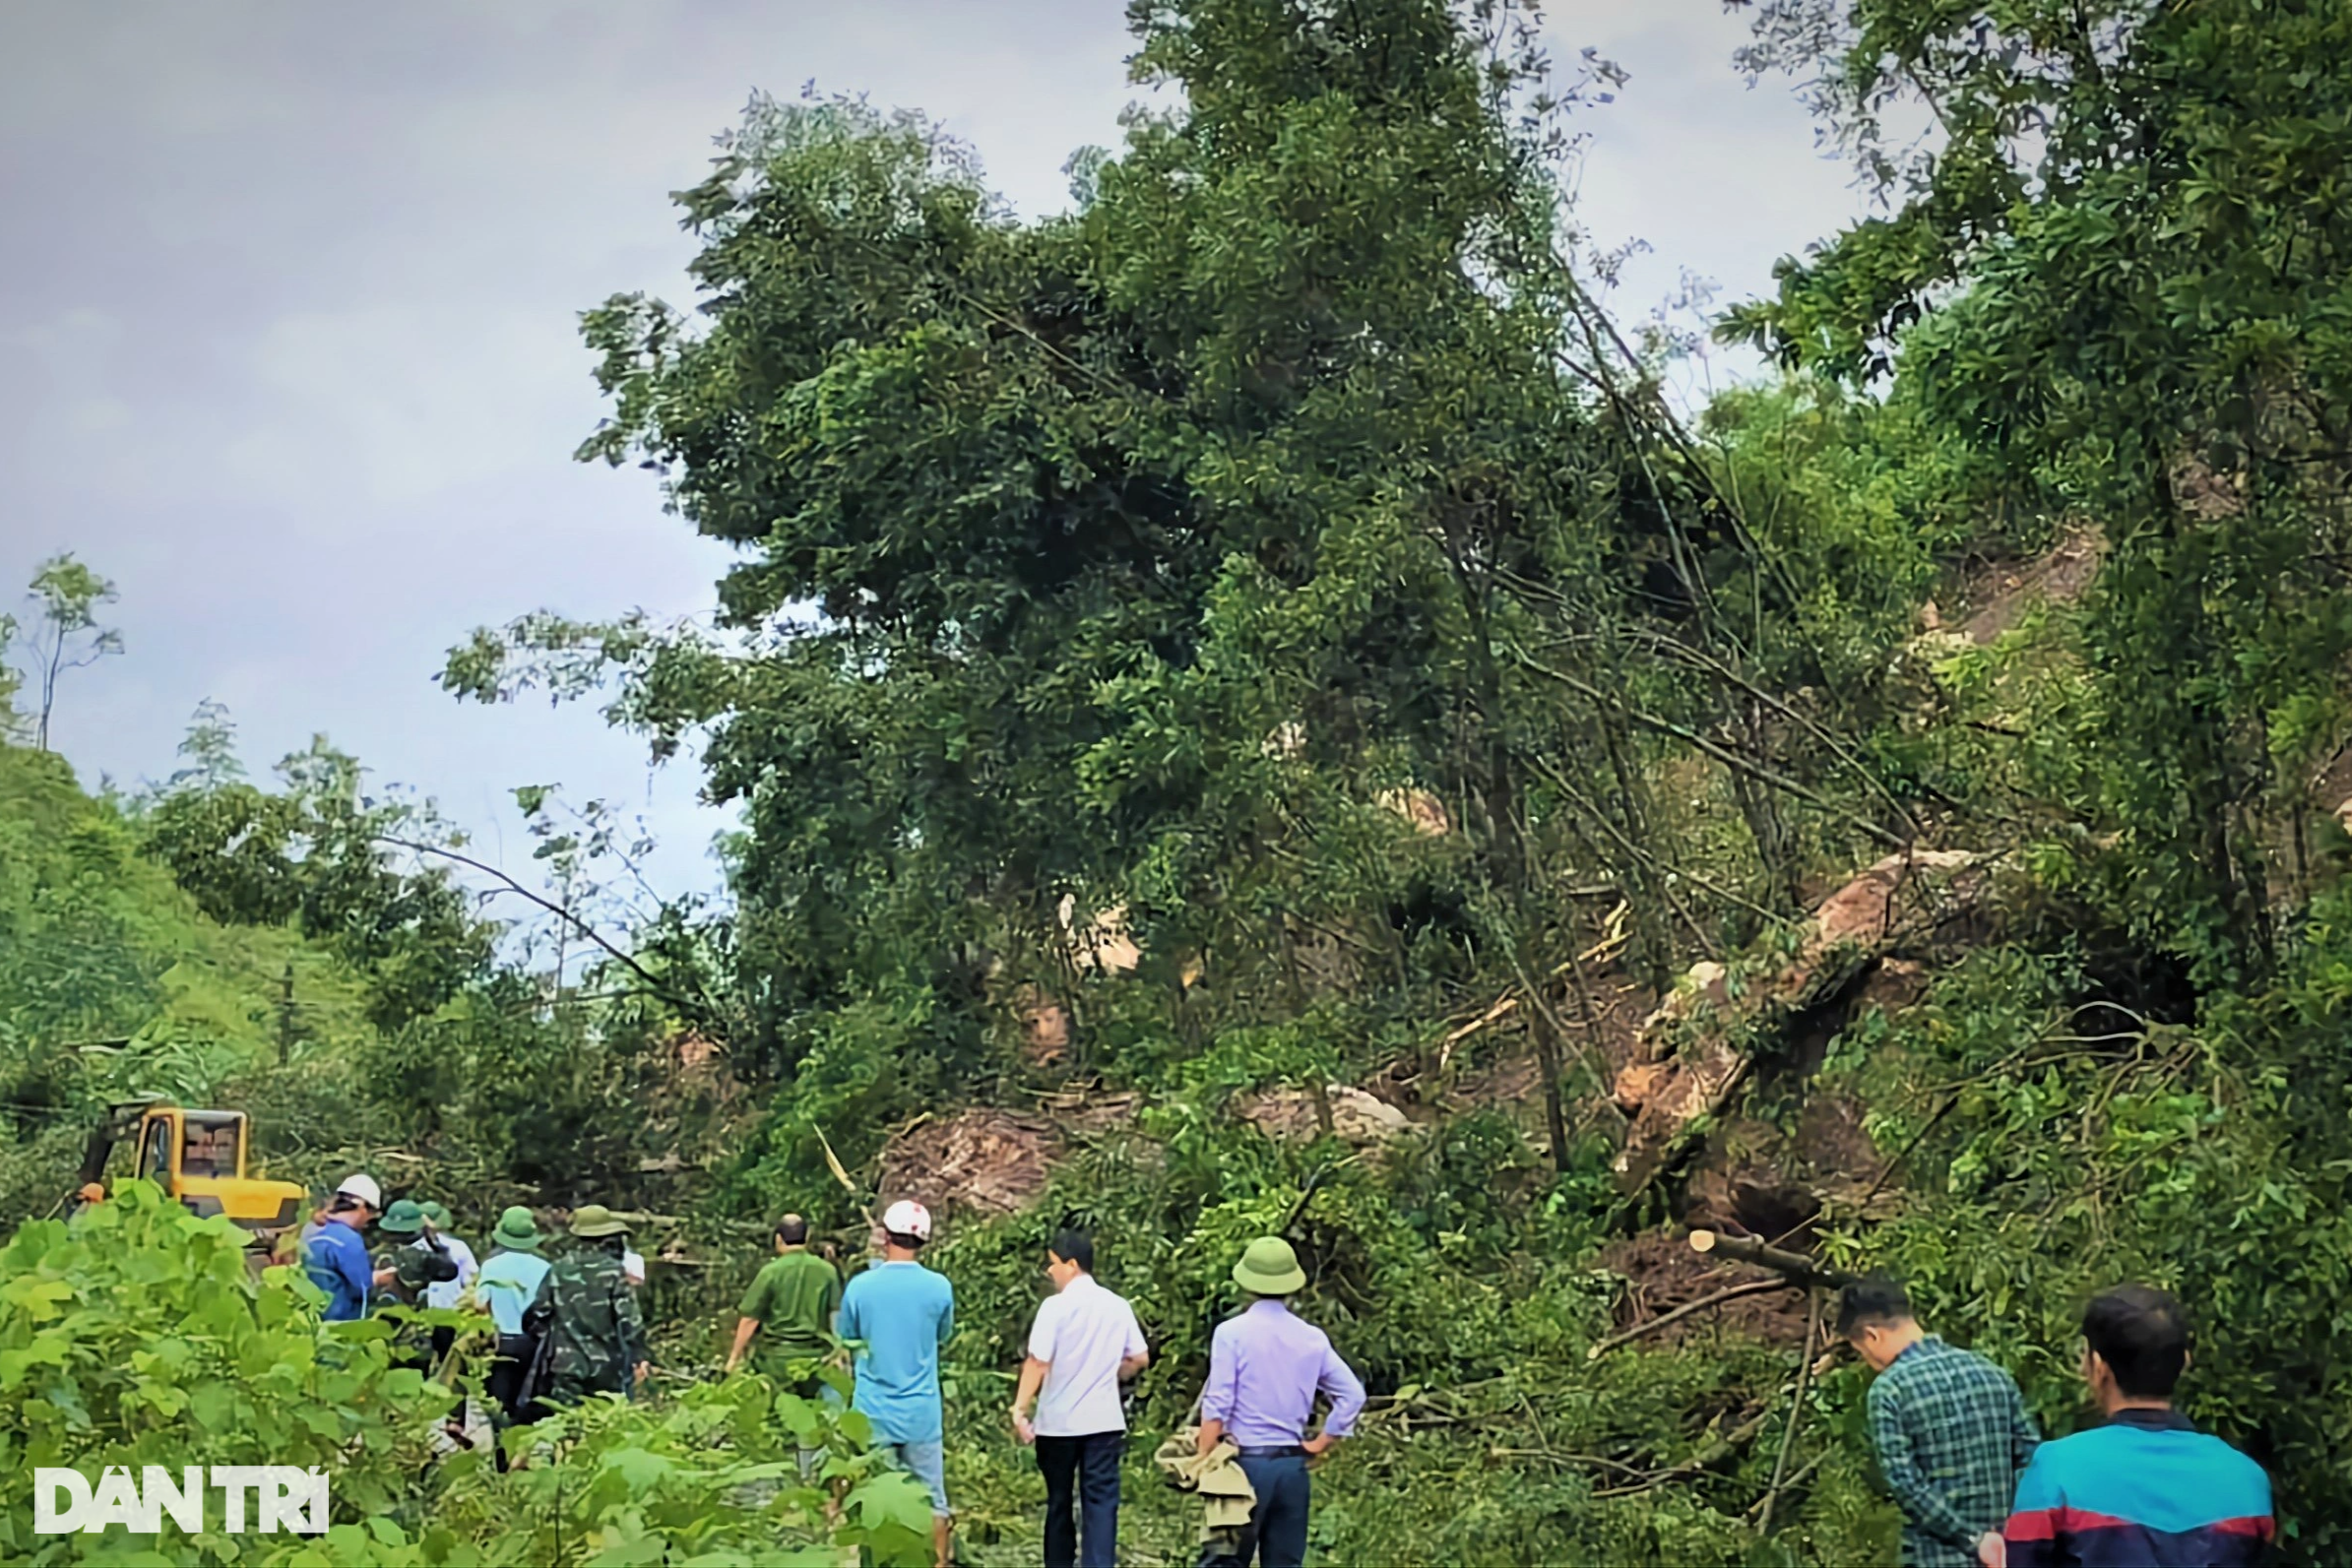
column 1906, row 900
column 1486, row 1060
column 1357, row 1116
column 1999, row 597
column 1662, row 1273
column 984, row 1161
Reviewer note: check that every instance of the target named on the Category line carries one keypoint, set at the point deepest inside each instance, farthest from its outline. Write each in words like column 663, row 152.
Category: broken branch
column 1729, row 1293
column 1796, row 1266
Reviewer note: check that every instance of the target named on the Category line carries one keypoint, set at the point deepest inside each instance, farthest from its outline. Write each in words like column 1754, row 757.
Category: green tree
column 330, row 857
column 136, row 1324
column 1150, row 559
column 68, row 595
column 2132, row 208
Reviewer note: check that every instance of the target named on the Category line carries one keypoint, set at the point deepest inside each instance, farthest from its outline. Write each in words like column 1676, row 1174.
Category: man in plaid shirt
column 1950, row 1431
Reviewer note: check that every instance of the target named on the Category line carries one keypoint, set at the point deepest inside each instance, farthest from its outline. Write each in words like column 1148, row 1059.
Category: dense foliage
column 1263, row 632
column 136, row 1335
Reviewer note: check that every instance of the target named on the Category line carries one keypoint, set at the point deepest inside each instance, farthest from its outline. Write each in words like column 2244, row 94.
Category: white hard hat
column 906, row 1217
column 361, row 1186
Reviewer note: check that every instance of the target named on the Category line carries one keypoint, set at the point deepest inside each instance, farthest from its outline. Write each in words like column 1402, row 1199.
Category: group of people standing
column 571, row 1326
column 1978, row 1486
column 1267, row 1368
column 565, row 1328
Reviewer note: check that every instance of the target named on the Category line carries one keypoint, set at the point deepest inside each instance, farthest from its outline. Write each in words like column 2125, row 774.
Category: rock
column 1363, row 1118
column 1044, row 1028
column 1357, row 1116
column 1703, row 985
column 1105, row 944
column 1638, row 1082
column 1868, row 909
column 1424, row 810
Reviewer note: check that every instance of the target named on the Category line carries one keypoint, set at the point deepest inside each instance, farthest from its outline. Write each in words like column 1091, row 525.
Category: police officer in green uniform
column 590, row 1320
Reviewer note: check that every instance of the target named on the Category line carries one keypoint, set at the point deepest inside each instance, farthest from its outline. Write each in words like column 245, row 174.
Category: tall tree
column 1171, row 557
column 326, row 856
column 67, row 595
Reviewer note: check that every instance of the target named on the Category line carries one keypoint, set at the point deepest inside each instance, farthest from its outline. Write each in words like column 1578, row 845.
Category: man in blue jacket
column 336, row 1253
column 2147, row 1489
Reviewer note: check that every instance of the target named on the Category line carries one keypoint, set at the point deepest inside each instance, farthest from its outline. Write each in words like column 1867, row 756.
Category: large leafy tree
column 2120, row 263
column 1171, row 554
column 327, row 856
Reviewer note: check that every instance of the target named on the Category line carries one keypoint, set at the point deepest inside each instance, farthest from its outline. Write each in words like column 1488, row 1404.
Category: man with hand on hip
column 1266, row 1368
column 1084, row 1344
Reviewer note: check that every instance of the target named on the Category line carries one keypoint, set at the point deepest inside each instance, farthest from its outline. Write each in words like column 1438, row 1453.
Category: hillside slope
column 113, row 983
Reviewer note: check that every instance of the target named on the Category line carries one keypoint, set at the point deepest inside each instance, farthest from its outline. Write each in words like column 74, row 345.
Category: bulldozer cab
column 199, row 1157
column 204, row 1144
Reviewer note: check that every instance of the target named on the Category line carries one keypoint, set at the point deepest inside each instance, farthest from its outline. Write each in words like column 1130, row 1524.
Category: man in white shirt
column 447, row 1293
column 1084, row 1344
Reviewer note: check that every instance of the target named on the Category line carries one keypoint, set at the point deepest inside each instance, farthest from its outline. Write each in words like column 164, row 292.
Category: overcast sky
column 289, row 300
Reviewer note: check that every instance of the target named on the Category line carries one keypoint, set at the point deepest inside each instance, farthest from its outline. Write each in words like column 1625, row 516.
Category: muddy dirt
column 1662, row 1273
column 2001, row 596
column 984, row 1161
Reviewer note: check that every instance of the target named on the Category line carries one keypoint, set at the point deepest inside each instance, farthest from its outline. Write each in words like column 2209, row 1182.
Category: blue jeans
column 1277, row 1532
column 1084, row 1469
column 927, row 1464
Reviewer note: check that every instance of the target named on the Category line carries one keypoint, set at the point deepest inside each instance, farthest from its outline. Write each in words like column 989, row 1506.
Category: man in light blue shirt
column 903, row 1313
column 507, row 1286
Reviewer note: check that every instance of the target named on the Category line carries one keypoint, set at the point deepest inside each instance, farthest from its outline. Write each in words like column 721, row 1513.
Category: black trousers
column 1084, row 1471
column 508, row 1386
column 1277, row 1531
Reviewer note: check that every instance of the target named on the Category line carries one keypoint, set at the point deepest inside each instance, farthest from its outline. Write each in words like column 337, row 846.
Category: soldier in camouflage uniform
column 590, row 1313
column 412, row 1266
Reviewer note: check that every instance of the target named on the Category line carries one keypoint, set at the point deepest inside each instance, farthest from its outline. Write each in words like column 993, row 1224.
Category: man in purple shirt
column 1265, row 1369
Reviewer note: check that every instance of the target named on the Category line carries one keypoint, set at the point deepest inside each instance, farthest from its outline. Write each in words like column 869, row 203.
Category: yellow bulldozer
column 197, row 1156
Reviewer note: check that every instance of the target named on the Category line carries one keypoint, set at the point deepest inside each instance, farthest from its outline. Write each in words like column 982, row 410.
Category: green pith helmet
column 517, row 1230
column 437, row 1214
column 1269, row 1266
column 592, row 1219
column 403, row 1219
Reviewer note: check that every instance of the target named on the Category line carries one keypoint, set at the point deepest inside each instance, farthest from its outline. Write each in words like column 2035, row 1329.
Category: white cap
column 906, row 1217
column 361, row 1186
